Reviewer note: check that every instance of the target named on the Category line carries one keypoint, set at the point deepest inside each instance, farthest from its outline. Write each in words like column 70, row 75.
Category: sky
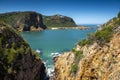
column 82, row 11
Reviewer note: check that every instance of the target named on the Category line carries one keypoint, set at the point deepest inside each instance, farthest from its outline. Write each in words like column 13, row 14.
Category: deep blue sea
column 55, row 41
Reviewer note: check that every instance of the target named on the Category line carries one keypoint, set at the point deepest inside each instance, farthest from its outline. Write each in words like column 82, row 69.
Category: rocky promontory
column 58, row 21
column 17, row 60
column 94, row 58
column 33, row 21
column 24, row 21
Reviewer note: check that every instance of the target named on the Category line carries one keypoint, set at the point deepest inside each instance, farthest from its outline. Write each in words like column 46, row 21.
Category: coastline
column 78, row 27
column 62, row 28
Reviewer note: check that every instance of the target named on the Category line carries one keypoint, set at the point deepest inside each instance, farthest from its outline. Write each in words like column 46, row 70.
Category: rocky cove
column 96, row 57
column 47, row 42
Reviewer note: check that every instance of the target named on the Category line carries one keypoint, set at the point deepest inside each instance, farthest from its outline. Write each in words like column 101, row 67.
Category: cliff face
column 32, row 21
column 17, row 60
column 24, row 21
column 98, row 59
column 58, row 21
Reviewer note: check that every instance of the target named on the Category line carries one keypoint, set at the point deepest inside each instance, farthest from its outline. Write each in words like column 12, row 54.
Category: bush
column 119, row 15
column 104, row 34
column 84, row 42
column 74, row 68
column 78, row 55
column 117, row 22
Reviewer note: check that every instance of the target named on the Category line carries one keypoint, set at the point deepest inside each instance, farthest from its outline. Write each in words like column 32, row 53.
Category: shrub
column 117, row 22
column 74, row 68
column 78, row 55
column 84, row 42
column 36, row 55
column 119, row 15
column 11, row 55
column 104, row 34
column 73, row 50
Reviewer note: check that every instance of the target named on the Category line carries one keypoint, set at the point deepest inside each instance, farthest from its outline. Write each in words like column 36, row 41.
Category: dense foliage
column 58, row 21
column 12, row 49
column 101, row 36
column 23, row 20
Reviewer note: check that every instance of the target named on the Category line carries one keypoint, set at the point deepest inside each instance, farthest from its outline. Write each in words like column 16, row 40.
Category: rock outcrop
column 99, row 60
column 17, row 60
column 58, row 21
column 24, row 21
column 32, row 21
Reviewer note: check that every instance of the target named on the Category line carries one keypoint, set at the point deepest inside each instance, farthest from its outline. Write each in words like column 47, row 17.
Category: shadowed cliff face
column 96, row 58
column 24, row 21
column 17, row 60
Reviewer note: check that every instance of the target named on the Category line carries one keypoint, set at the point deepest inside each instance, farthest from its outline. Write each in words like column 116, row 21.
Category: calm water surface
column 54, row 41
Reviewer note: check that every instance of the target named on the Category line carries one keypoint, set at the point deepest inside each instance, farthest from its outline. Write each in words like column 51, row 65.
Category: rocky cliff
column 58, row 21
column 32, row 21
column 94, row 58
column 17, row 60
column 24, row 21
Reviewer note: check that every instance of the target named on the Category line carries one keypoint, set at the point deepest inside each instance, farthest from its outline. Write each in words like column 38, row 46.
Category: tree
column 119, row 15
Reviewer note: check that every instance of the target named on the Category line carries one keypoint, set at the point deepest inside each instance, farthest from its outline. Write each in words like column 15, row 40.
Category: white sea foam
column 38, row 51
column 55, row 54
column 50, row 71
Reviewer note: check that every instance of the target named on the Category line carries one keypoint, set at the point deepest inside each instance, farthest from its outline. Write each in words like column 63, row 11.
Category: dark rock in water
column 17, row 60
column 24, row 21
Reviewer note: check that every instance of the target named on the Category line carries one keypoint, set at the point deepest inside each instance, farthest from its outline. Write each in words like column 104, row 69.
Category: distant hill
column 32, row 21
column 24, row 21
column 58, row 21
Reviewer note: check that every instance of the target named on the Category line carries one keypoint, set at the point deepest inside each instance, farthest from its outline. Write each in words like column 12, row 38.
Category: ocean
column 51, row 42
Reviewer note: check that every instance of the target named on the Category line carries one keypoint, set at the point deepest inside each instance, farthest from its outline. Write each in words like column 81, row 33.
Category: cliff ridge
column 94, row 58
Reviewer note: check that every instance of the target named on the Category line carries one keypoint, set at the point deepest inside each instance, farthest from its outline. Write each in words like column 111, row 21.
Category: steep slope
column 24, row 21
column 94, row 58
column 17, row 60
column 58, row 21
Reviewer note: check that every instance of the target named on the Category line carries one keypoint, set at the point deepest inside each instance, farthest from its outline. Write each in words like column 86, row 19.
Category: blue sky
column 82, row 11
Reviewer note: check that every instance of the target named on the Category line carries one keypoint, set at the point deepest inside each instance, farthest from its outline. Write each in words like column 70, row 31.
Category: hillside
column 94, row 58
column 24, row 21
column 17, row 60
column 32, row 21
column 58, row 21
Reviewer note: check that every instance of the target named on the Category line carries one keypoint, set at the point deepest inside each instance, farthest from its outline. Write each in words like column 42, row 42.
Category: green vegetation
column 84, row 42
column 74, row 68
column 36, row 55
column 12, row 49
column 58, row 21
column 23, row 20
column 78, row 55
column 104, row 35
column 119, row 15
column 101, row 36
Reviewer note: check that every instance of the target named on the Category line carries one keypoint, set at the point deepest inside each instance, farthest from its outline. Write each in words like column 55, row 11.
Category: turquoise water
column 52, row 41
